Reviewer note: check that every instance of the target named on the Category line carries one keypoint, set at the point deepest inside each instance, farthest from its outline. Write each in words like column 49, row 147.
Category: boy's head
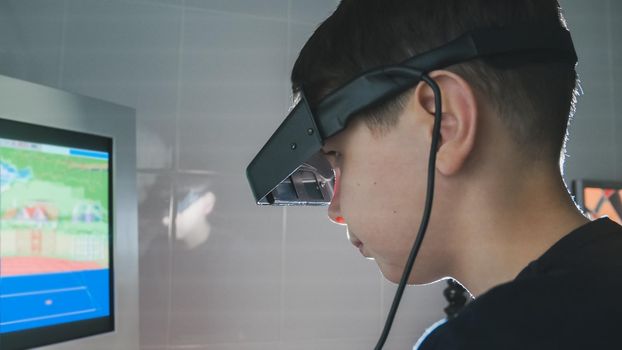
column 495, row 122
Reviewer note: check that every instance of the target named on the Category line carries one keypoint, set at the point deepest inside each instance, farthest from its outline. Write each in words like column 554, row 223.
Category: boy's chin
column 394, row 276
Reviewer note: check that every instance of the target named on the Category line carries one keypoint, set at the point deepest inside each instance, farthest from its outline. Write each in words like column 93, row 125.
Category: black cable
column 426, row 212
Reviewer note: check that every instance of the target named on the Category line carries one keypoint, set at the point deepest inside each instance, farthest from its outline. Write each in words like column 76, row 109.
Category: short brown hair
column 535, row 101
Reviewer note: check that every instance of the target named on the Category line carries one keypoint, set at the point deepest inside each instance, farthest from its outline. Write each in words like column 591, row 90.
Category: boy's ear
column 459, row 122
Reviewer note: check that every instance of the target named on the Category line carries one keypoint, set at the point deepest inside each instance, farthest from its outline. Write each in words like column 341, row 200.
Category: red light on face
column 340, row 220
column 337, row 178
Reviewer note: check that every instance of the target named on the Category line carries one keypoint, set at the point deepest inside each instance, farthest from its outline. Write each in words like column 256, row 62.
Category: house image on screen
column 34, row 229
column 64, row 228
column 37, row 213
column 88, row 212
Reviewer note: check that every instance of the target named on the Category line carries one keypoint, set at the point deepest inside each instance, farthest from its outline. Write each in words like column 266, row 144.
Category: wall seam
column 173, row 187
column 63, row 44
column 284, row 223
column 180, row 70
column 617, row 172
column 243, row 14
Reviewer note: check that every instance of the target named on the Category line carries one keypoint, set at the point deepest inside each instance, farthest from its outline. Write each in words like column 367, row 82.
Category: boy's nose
column 334, row 215
column 334, row 209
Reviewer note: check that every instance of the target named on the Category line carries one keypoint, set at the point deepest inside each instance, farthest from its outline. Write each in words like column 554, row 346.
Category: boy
column 503, row 224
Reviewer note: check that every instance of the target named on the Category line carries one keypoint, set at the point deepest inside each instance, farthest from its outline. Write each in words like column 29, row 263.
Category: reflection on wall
column 191, row 221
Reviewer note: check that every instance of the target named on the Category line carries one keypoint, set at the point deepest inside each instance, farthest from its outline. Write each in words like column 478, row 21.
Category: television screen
column 55, row 235
column 600, row 198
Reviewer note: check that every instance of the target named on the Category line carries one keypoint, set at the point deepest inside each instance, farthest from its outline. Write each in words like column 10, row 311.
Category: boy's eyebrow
column 331, row 147
column 323, row 148
column 329, row 143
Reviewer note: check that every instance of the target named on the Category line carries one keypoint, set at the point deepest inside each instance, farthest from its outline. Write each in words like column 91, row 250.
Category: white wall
column 594, row 145
column 209, row 80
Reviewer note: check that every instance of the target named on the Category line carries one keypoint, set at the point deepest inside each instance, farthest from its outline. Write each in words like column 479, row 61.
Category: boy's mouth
column 358, row 244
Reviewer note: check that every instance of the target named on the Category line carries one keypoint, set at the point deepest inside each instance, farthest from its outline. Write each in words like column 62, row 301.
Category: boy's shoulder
column 567, row 299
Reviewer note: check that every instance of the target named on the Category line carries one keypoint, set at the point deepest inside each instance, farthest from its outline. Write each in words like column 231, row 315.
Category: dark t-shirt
column 569, row 298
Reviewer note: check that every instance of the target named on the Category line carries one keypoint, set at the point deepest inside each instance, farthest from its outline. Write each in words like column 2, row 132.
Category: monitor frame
column 46, row 335
column 43, row 105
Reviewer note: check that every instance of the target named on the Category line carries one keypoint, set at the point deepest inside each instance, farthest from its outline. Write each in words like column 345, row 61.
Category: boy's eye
column 333, row 157
column 335, row 154
column 332, row 154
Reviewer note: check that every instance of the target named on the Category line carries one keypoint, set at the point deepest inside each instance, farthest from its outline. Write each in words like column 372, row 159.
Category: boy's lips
column 360, row 246
column 356, row 243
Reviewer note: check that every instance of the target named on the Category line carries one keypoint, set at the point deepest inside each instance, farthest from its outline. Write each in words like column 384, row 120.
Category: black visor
column 291, row 170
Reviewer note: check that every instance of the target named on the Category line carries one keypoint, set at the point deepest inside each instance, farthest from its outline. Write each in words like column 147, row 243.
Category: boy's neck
column 515, row 226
